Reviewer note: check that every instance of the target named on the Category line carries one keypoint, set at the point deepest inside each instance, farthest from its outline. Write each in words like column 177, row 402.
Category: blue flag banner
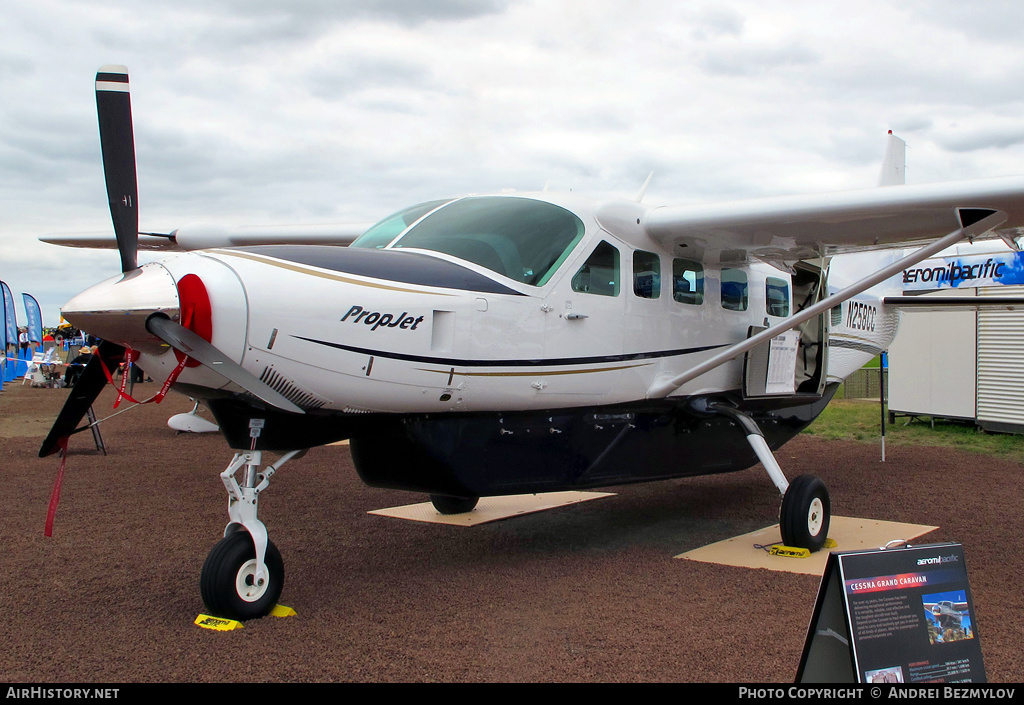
column 1004, row 269
column 11, row 324
column 3, row 330
column 10, row 333
column 34, row 319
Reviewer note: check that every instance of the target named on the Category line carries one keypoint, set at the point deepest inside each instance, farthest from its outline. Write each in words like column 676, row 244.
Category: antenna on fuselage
column 643, row 189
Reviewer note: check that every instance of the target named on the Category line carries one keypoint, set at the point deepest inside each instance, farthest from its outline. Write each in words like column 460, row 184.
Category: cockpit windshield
column 520, row 238
column 381, row 234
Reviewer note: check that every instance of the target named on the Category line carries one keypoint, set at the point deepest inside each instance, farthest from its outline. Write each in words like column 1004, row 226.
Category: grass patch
column 860, row 420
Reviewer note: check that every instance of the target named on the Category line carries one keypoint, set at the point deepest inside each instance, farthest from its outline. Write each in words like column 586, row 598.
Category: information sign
column 898, row 615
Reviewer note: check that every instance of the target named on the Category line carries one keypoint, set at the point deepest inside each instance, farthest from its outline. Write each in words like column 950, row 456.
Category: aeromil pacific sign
column 1003, row 269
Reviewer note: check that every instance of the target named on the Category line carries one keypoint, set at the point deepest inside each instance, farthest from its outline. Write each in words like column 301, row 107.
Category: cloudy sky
column 261, row 112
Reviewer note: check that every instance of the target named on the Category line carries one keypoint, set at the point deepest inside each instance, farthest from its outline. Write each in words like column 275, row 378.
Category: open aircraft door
column 794, row 363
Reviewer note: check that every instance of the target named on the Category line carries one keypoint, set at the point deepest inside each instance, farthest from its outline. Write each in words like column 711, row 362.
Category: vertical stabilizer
column 894, row 168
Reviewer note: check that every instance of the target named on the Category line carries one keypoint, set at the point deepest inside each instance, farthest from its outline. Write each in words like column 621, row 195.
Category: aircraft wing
column 105, row 241
column 789, row 228
column 203, row 236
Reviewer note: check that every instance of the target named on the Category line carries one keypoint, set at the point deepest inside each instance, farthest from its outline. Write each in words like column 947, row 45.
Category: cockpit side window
column 381, row 234
column 600, row 273
column 523, row 239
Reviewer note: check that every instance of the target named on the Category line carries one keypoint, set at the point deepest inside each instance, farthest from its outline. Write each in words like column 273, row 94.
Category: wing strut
column 971, row 226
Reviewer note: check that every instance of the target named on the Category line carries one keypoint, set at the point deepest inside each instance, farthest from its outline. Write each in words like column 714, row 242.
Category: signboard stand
column 894, row 615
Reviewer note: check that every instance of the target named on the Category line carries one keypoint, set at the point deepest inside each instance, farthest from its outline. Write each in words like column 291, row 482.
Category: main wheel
column 228, row 580
column 453, row 505
column 806, row 513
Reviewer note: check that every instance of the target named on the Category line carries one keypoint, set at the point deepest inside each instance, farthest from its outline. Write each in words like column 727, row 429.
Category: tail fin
column 894, row 168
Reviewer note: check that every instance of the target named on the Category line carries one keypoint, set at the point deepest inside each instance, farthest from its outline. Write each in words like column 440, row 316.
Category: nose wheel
column 230, row 583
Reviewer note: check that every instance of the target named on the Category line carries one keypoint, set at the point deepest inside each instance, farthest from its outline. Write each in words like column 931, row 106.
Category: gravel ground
column 589, row 592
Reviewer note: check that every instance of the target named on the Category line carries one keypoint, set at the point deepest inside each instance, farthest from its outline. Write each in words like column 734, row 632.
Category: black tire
column 453, row 505
column 806, row 513
column 229, row 566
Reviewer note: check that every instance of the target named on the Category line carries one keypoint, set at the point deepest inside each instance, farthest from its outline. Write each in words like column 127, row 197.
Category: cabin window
column 776, row 293
column 381, row 234
column 837, row 315
column 520, row 238
column 687, row 281
column 734, row 289
column 646, row 275
column 600, row 274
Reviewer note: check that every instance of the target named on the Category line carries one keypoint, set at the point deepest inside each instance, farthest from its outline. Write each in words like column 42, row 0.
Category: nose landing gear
column 243, row 575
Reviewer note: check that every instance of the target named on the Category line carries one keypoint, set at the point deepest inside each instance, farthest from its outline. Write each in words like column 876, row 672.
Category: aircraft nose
column 117, row 309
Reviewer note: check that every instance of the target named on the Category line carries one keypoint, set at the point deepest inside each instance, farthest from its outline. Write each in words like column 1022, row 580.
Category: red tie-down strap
column 55, row 495
column 131, row 355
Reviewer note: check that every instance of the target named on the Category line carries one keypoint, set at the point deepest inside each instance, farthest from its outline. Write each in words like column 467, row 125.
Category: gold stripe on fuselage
column 308, row 269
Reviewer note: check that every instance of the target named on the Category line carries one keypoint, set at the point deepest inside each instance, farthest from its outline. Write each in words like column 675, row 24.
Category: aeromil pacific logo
column 938, row 560
column 954, row 272
column 376, row 319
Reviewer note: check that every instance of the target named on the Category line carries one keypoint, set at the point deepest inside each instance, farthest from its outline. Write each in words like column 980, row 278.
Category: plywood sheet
column 491, row 508
column 850, row 534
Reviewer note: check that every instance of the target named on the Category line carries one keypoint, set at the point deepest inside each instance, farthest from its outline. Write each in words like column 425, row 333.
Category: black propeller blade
column 183, row 340
column 117, row 140
column 89, row 386
column 113, row 106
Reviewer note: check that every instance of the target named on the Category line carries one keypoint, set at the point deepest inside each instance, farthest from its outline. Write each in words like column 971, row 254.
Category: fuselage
column 399, row 329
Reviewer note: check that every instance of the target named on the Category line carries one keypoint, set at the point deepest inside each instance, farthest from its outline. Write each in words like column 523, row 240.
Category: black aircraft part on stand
column 82, row 395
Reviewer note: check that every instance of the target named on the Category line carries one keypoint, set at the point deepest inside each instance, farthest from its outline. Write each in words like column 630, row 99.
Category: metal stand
column 95, row 428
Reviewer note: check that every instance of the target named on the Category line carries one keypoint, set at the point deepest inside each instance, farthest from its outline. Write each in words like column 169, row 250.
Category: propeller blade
column 84, row 393
column 117, row 141
column 185, row 341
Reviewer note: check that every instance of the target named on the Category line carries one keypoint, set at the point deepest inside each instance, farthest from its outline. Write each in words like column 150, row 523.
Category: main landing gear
column 447, row 504
column 243, row 574
column 806, row 508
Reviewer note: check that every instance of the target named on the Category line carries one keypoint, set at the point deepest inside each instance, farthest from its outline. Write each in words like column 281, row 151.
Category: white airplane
column 507, row 344
column 948, row 614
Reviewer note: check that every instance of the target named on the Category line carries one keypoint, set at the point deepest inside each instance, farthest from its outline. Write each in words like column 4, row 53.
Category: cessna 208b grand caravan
column 517, row 343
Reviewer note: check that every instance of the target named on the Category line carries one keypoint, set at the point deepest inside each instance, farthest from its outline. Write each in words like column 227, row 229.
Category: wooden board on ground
column 491, row 508
column 850, row 534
